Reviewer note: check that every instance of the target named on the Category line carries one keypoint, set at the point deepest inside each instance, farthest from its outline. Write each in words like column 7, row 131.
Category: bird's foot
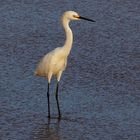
column 59, row 117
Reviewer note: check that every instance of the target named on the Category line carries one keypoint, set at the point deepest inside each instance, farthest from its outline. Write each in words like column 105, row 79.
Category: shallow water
column 99, row 91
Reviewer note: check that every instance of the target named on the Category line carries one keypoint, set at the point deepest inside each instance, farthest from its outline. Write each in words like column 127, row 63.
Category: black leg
column 48, row 97
column 56, row 96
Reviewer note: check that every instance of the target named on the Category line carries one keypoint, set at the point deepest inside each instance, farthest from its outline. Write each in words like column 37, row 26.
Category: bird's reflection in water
column 50, row 131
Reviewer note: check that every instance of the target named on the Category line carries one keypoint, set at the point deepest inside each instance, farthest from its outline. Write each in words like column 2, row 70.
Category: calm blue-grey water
column 99, row 91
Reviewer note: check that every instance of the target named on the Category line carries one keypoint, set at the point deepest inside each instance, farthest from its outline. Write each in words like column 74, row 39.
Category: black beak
column 86, row 19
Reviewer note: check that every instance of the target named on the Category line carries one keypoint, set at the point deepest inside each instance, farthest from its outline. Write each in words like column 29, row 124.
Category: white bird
column 54, row 62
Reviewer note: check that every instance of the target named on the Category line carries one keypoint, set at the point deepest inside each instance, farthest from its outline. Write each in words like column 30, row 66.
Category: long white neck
column 69, row 36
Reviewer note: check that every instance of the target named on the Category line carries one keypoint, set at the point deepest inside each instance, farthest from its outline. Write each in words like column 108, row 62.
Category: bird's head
column 71, row 15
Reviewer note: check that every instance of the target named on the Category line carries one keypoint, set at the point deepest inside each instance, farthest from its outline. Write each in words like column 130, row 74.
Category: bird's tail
column 35, row 73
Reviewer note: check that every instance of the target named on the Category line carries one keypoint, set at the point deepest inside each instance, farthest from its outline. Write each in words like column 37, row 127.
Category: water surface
column 99, row 91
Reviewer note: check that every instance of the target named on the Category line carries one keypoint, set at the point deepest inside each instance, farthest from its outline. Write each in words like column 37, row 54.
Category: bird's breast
column 58, row 65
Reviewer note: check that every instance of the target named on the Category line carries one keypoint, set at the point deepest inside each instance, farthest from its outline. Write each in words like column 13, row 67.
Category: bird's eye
column 75, row 16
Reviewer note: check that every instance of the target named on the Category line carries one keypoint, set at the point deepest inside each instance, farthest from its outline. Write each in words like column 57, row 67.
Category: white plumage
column 54, row 63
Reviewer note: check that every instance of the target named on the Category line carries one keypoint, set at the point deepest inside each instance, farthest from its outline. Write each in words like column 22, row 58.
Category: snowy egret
column 54, row 62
